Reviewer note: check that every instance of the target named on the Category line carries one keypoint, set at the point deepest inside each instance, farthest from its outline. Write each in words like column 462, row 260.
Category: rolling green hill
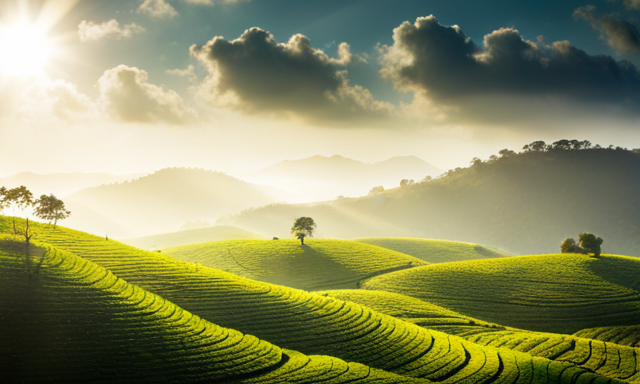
column 606, row 358
column 191, row 236
column 629, row 335
column 560, row 293
column 314, row 324
column 525, row 203
column 319, row 264
column 75, row 322
column 436, row 251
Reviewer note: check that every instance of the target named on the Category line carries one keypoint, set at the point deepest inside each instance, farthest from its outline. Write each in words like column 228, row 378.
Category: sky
column 230, row 85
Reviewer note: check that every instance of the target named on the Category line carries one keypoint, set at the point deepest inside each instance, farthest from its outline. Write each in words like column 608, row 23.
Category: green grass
column 192, row 236
column 75, row 321
column 319, row 264
column 609, row 359
column 312, row 323
column 436, row 251
column 629, row 335
column 560, row 293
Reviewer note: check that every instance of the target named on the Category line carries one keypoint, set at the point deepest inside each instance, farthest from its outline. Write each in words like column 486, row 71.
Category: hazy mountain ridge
column 523, row 203
column 323, row 178
column 62, row 184
column 161, row 202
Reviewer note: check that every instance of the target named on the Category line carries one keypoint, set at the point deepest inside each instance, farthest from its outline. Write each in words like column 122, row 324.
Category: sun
column 24, row 50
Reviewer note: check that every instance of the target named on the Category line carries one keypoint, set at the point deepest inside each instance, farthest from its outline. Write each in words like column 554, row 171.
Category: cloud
column 622, row 36
column 631, row 4
column 257, row 75
column 188, row 73
column 443, row 64
column 211, row 2
column 56, row 99
column 158, row 9
column 89, row 31
column 127, row 95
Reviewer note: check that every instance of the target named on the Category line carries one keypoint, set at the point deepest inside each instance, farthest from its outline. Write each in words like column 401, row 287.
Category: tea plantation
column 75, row 322
column 315, row 324
column 319, row 264
column 436, row 251
column 561, row 293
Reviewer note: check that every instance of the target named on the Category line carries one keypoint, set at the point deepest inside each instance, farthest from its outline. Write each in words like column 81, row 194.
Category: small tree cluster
column 588, row 243
column 406, row 182
column 377, row 189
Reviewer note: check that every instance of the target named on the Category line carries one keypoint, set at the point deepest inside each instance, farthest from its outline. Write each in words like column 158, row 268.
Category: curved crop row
column 629, row 335
column 435, row 251
column 319, row 264
column 315, row 324
column 612, row 360
column 549, row 293
column 76, row 322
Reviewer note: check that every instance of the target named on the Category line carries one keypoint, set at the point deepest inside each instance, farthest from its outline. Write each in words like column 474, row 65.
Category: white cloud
column 127, row 95
column 90, row 31
column 56, row 99
column 158, row 9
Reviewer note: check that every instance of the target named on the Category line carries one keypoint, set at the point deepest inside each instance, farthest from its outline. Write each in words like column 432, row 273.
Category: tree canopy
column 303, row 227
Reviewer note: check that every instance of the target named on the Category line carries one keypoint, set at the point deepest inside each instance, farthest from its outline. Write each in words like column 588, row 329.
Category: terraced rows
column 436, row 251
column 75, row 322
column 319, row 264
column 315, row 324
column 548, row 293
column 629, row 335
column 609, row 359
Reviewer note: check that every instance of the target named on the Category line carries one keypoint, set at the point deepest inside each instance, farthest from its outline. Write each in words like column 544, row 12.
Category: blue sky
column 124, row 72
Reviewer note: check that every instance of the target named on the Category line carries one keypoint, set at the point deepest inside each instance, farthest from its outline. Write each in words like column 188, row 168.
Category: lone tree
column 303, row 227
column 569, row 246
column 590, row 243
column 50, row 208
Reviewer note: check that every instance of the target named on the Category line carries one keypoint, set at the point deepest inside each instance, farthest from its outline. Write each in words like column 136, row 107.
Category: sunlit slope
column 435, row 251
column 191, row 236
column 77, row 322
column 319, row 264
column 315, row 324
column 629, row 335
column 552, row 293
column 615, row 361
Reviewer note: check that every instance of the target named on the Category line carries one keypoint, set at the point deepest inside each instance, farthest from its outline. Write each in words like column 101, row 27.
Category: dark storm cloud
column 621, row 35
column 256, row 74
column 442, row 64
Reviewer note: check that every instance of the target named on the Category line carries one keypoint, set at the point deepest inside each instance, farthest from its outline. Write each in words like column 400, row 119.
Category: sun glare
column 24, row 50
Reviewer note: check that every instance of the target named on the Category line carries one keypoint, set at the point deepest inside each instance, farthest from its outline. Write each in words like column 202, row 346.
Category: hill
column 321, row 178
column 191, row 236
column 629, row 335
column 523, row 203
column 606, row 358
column 76, row 322
column 160, row 202
column 436, row 251
column 314, row 324
column 62, row 184
column 319, row 264
column 548, row 293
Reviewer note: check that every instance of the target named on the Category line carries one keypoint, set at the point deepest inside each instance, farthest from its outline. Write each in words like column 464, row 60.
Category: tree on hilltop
column 303, row 227
column 591, row 243
column 50, row 208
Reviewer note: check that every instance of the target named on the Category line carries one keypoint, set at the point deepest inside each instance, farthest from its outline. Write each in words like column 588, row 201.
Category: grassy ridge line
column 548, row 293
column 609, row 359
column 315, row 324
column 436, row 251
column 319, row 264
column 191, row 236
column 79, row 323
column 629, row 335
